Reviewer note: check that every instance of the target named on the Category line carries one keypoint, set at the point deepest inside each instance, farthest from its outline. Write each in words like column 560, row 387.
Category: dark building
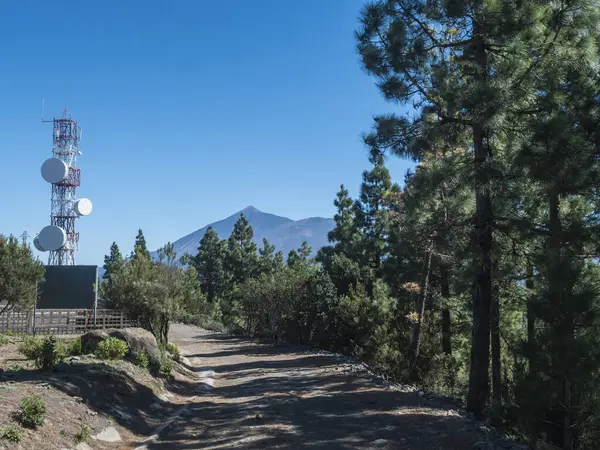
column 69, row 287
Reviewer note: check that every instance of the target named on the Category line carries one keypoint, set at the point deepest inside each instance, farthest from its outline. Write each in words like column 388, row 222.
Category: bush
column 4, row 340
column 31, row 412
column 163, row 365
column 11, row 433
column 141, row 359
column 31, row 347
column 174, row 351
column 112, row 348
column 74, row 347
column 49, row 354
column 83, row 434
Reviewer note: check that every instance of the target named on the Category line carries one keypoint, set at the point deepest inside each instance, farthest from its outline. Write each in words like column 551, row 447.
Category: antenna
column 60, row 238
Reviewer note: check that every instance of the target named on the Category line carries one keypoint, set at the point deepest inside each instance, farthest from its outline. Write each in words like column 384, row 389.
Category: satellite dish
column 83, row 207
column 37, row 245
column 54, row 170
column 52, row 238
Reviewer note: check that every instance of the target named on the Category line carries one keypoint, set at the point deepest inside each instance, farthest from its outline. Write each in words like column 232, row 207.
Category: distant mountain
column 286, row 234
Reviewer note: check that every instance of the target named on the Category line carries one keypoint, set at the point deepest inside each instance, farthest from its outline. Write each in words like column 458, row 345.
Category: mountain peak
column 249, row 209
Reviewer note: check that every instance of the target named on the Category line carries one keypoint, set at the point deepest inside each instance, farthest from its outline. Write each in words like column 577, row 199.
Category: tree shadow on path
column 277, row 396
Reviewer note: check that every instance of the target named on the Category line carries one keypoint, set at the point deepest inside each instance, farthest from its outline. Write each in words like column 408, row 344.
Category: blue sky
column 191, row 110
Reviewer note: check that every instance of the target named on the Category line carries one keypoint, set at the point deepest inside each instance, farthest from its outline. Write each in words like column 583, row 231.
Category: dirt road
column 281, row 396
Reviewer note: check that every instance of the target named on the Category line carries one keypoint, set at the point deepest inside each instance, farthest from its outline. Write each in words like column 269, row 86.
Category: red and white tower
column 61, row 171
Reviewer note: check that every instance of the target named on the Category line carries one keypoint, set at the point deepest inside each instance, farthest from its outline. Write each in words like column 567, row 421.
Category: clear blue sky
column 191, row 110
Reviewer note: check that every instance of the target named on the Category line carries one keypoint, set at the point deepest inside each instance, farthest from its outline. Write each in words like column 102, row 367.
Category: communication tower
column 61, row 171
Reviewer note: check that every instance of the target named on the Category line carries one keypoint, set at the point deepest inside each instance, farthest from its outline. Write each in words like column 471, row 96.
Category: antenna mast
column 61, row 171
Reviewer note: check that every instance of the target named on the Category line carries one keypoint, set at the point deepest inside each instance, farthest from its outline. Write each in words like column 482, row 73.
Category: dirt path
column 281, row 396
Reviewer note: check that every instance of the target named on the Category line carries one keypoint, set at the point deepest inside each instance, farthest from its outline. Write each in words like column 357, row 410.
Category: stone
column 91, row 339
column 82, row 446
column 109, row 434
column 138, row 339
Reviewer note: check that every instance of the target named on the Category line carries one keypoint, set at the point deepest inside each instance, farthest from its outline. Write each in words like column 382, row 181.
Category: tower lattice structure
column 65, row 146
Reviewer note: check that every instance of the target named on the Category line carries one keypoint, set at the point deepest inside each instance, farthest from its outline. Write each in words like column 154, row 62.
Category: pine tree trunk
column 565, row 329
column 530, row 318
column 446, row 322
column 482, row 290
column 496, row 361
column 421, row 309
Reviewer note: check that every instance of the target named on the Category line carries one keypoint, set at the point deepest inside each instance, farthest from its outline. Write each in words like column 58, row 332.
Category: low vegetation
column 112, row 348
column 141, row 359
column 173, row 351
column 11, row 433
column 83, row 434
column 31, row 412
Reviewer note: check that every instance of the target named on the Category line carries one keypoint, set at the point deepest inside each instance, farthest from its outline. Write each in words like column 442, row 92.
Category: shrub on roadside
column 163, row 366
column 31, row 346
column 11, row 433
column 83, row 434
column 112, row 348
column 74, row 347
column 141, row 359
column 49, row 354
column 31, row 412
column 174, row 351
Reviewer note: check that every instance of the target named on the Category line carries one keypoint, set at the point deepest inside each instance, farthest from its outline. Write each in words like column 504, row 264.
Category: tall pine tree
column 209, row 264
column 241, row 259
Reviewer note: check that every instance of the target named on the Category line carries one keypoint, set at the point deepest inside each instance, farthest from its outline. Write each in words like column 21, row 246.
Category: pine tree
column 455, row 61
column 372, row 214
column 562, row 159
column 139, row 249
column 113, row 262
column 343, row 235
column 241, row 259
column 270, row 260
column 20, row 275
column 209, row 264
column 301, row 256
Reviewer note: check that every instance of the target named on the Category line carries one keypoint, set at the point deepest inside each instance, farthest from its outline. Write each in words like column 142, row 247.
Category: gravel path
column 282, row 396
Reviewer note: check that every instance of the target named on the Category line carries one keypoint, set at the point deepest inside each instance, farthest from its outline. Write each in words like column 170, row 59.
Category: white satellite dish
column 37, row 245
column 52, row 238
column 83, row 207
column 54, row 170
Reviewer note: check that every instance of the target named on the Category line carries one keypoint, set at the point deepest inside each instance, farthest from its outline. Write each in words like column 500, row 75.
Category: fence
column 63, row 321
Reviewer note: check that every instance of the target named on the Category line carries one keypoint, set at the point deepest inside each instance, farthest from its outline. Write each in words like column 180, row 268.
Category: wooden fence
column 63, row 321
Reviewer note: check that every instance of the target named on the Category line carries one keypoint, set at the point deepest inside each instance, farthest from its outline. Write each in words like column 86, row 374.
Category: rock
column 109, row 434
column 91, row 339
column 82, row 446
column 138, row 339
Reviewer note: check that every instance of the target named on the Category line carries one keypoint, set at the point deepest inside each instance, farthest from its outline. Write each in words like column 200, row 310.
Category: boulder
column 91, row 339
column 138, row 339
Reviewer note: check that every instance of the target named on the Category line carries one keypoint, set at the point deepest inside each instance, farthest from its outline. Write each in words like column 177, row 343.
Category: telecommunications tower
column 60, row 238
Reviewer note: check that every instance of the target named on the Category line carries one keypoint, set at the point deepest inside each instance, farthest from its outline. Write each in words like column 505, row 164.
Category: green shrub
column 31, row 412
column 9, row 333
column 49, row 354
column 31, row 347
column 4, row 340
column 112, row 348
column 165, row 366
column 74, row 347
column 141, row 359
column 83, row 434
column 174, row 351
column 11, row 433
